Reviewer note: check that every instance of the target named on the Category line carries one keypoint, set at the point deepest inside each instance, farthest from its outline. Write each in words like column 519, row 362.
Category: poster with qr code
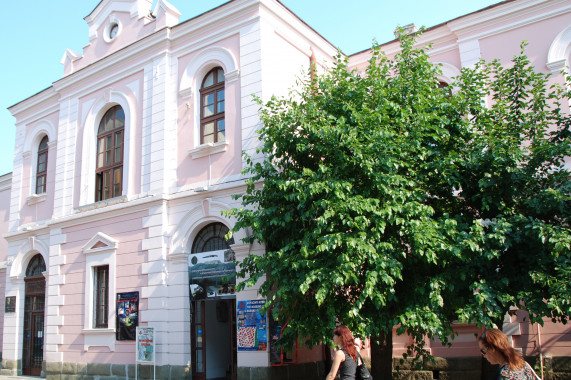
column 252, row 334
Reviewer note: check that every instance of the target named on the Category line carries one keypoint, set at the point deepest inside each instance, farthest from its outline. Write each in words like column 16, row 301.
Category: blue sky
column 36, row 34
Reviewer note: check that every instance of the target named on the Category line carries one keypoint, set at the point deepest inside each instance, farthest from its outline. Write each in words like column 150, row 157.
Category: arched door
column 213, row 305
column 33, row 351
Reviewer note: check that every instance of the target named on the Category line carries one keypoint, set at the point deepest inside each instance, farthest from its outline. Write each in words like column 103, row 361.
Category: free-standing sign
column 127, row 315
column 145, row 344
column 252, row 334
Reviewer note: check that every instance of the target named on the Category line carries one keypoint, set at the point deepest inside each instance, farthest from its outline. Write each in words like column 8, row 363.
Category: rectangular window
column 101, row 299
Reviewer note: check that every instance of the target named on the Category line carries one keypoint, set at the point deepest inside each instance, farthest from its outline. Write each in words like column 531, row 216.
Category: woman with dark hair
column 495, row 347
column 345, row 358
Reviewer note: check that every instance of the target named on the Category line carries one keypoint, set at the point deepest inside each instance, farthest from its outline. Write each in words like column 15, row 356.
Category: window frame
column 100, row 250
column 101, row 296
column 110, row 174
column 43, row 149
column 218, row 86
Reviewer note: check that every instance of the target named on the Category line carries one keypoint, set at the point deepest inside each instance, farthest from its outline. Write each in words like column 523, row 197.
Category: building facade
column 114, row 214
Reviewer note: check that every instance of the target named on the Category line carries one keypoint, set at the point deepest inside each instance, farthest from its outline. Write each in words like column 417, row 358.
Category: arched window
column 446, row 87
column 36, row 266
column 42, row 166
column 211, row 238
column 212, row 125
column 109, row 171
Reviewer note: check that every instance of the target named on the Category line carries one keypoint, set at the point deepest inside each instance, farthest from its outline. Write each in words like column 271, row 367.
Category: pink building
column 113, row 215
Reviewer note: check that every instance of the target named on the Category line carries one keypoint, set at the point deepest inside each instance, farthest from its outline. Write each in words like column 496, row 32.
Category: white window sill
column 208, row 149
column 36, row 198
column 101, row 204
column 104, row 337
column 102, row 331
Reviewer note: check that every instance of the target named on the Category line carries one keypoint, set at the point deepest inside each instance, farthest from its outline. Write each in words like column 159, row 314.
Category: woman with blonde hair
column 345, row 358
column 495, row 347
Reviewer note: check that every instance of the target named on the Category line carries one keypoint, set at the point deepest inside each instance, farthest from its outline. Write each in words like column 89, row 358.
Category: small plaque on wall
column 10, row 306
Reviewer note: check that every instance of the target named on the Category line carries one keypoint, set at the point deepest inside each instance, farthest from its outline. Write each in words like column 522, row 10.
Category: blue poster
column 252, row 334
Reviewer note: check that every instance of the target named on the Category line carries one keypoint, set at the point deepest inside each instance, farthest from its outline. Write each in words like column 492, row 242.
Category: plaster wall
column 89, row 109
column 128, row 231
column 191, row 168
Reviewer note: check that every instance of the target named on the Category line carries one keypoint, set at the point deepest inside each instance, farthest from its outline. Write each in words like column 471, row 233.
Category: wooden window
column 101, row 299
column 42, row 166
column 446, row 87
column 212, row 238
column 110, row 150
column 212, row 123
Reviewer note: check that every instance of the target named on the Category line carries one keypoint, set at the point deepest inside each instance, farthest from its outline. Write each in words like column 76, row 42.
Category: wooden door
column 33, row 350
column 198, row 339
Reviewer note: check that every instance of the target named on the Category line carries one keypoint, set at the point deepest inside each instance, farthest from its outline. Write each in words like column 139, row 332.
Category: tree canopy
column 385, row 200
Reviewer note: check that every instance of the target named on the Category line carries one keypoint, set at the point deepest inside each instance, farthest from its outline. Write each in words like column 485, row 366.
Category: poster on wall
column 212, row 274
column 252, row 333
column 145, row 344
column 10, row 304
column 127, row 315
column 275, row 334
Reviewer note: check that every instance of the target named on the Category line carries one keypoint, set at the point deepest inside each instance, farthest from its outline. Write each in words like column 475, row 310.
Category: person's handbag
column 362, row 371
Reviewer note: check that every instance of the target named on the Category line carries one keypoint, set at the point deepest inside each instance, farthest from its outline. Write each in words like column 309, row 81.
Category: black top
column 347, row 368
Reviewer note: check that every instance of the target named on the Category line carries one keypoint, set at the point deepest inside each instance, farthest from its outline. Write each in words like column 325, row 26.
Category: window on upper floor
column 109, row 169
column 42, row 166
column 212, row 123
column 446, row 87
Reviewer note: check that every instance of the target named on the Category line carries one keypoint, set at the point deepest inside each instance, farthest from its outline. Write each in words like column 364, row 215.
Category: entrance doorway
column 33, row 350
column 214, row 347
column 212, row 283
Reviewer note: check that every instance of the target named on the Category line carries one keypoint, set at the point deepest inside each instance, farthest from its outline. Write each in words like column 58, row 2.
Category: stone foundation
column 305, row 371
column 477, row 368
column 10, row 367
column 99, row 371
column 469, row 368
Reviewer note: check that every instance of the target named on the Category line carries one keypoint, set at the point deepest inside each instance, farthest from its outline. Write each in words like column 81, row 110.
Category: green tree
column 385, row 201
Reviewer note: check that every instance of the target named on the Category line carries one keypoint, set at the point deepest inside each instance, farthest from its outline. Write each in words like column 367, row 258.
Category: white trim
column 36, row 198
column 110, row 24
column 195, row 71
column 94, row 257
column 449, row 72
column 29, row 249
column 559, row 51
column 203, row 62
column 208, row 149
column 30, row 151
column 90, row 125
column 206, row 212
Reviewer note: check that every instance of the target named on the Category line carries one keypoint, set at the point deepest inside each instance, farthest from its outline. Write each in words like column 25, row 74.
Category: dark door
column 33, row 353
column 198, row 341
column 233, row 341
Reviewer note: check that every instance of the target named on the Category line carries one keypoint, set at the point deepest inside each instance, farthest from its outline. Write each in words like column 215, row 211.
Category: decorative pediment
column 100, row 242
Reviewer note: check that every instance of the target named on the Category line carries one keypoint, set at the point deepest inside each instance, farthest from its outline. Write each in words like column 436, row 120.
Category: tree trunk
column 382, row 356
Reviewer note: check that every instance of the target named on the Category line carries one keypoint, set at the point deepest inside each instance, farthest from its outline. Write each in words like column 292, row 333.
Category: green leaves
column 383, row 200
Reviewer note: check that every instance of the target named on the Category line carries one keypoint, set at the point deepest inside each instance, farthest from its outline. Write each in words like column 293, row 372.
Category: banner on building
column 127, row 315
column 212, row 274
column 145, row 344
column 252, row 332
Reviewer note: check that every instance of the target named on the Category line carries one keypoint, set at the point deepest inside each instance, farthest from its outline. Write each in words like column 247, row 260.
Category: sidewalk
column 3, row 377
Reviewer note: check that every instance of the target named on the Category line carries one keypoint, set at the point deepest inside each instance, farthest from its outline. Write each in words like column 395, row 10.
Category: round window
column 113, row 30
